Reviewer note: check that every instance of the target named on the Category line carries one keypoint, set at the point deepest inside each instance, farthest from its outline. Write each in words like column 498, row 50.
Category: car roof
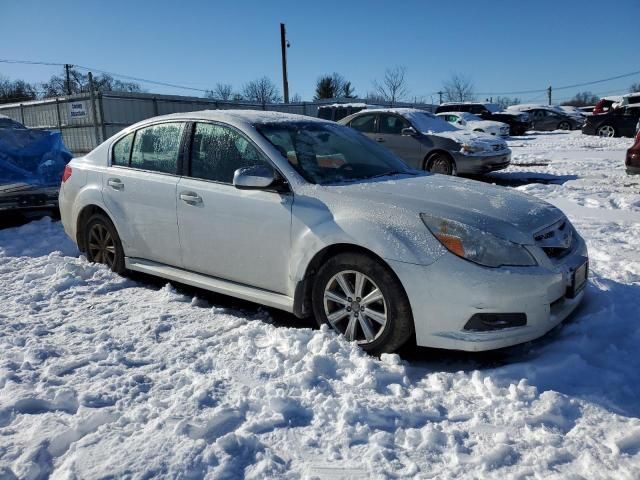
column 238, row 118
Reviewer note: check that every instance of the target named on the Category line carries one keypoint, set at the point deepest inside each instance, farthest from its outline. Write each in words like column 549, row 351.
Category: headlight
column 476, row 245
column 471, row 148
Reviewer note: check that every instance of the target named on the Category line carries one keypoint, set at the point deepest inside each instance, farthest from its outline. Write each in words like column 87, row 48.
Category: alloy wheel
column 355, row 306
column 606, row 131
column 102, row 246
column 564, row 126
column 440, row 165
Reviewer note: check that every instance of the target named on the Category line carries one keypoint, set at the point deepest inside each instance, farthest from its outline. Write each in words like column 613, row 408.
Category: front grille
column 556, row 240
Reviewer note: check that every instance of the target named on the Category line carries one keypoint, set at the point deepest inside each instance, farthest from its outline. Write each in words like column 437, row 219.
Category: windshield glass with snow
column 324, row 153
column 427, row 123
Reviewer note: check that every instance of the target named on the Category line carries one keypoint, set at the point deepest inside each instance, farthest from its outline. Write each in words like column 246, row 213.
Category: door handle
column 379, row 139
column 115, row 183
column 191, row 198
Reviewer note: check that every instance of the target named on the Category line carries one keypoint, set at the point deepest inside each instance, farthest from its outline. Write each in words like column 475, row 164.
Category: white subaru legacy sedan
column 312, row 217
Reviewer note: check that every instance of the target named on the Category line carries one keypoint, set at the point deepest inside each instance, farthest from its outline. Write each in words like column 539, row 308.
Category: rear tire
column 360, row 298
column 564, row 126
column 103, row 244
column 441, row 163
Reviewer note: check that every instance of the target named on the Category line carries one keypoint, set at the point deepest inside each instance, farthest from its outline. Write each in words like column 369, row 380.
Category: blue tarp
column 36, row 157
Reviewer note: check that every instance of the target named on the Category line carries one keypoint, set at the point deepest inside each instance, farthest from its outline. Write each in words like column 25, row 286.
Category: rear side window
column 218, row 151
column 365, row 123
column 122, row 151
column 157, row 148
column 392, row 124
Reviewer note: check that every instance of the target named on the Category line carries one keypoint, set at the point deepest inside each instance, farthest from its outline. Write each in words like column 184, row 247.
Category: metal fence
column 86, row 120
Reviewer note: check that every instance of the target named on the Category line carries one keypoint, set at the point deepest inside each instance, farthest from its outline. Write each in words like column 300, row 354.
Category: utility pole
column 549, row 94
column 440, row 93
column 284, row 45
column 68, row 83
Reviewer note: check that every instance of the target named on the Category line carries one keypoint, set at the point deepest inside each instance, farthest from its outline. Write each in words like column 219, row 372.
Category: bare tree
column 504, row 102
column 262, row 90
column 295, row 98
column 16, row 90
column 79, row 83
column 222, row 91
column 459, row 88
column 582, row 99
column 635, row 87
column 393, row 86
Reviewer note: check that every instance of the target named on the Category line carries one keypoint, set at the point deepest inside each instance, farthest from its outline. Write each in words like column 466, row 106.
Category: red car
column 633, row 157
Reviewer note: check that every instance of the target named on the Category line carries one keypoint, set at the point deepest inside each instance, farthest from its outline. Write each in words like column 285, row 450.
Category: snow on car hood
column 465, row 136
column 501, row 211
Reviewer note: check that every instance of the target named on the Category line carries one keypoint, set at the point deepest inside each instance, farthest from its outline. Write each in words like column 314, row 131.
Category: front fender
column 401, row 237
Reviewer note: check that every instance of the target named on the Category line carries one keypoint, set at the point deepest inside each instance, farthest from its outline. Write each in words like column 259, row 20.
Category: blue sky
column 501, row 45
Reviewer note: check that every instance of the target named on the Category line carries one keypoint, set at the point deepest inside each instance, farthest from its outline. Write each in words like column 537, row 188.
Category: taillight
column 67, row 173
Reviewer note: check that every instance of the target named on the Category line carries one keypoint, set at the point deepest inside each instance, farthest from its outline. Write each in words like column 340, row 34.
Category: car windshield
column 325, row 153
column 428, row 123
column 492, row 107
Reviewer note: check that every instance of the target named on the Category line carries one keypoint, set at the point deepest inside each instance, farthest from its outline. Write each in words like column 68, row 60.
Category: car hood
column 465, row 136
column 502, row 211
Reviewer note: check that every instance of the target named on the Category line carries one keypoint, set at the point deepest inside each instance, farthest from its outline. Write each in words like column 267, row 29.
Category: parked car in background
column 518, row 122
column 632, row 161
column 617, row 122
column 311, row 217
column 337, row 111
column 573, row 111
column 549, row 118
column 427, row 142
column 31, row 164
column 612, row 102
column 469, row 121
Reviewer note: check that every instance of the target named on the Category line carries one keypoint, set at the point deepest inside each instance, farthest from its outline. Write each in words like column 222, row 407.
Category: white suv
column 313, row 218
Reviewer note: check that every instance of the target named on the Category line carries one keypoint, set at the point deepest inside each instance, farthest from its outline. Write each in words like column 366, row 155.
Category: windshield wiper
column 391, row 173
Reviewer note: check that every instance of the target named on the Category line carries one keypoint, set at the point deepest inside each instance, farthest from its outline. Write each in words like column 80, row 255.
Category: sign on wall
column 78, row 110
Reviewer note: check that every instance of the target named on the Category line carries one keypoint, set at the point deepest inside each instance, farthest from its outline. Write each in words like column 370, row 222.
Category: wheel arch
column 302, row 296
column 83, row 217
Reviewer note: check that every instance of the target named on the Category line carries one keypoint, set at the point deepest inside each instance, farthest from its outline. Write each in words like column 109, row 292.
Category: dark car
column 618, row 122
column 632, row 161
column 518, row 122
column 337, row 111
column 547, row 119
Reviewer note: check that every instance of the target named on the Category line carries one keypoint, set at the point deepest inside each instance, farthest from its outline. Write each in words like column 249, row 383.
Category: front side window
column 365, row 123
column 122, row 151
column 327, row 153
column 392, row 124
column 218, row 151
column 157, row 148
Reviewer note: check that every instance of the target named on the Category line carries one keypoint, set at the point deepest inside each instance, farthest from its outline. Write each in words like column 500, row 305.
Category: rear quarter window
column 122, row 151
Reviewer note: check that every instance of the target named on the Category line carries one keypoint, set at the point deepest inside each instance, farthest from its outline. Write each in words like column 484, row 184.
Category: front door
column 237, row 235
column 407, row 147
column 139, row 191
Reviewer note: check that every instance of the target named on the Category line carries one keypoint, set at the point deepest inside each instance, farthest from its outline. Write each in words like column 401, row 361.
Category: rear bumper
column 633, row 170
column 442, row 302
column 467, row 164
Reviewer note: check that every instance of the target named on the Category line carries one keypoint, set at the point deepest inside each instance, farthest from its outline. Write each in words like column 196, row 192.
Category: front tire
column 564, row 126
column 362, row 299
column 606, row 131
column 441, row 163
column 103, row 243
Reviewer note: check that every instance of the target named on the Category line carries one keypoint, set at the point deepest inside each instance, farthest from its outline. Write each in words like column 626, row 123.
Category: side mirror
column 408, row 132
column 257, row 177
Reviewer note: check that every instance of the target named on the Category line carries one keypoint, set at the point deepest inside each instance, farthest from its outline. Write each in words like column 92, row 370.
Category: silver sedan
column 314, row 218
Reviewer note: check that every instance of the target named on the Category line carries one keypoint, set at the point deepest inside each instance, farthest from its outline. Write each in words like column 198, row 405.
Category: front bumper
column 633, row 170
column 447, row 293
column 472, row 164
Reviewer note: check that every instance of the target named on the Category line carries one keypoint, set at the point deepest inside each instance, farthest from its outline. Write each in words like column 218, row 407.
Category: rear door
column 407, row 147
column 139, row 190
column 232, row 234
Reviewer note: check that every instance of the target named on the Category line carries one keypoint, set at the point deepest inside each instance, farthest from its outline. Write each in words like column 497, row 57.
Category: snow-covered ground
column 102, row 376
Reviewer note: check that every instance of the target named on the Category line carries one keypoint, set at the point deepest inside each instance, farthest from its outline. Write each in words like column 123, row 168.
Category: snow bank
column 104, row 376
